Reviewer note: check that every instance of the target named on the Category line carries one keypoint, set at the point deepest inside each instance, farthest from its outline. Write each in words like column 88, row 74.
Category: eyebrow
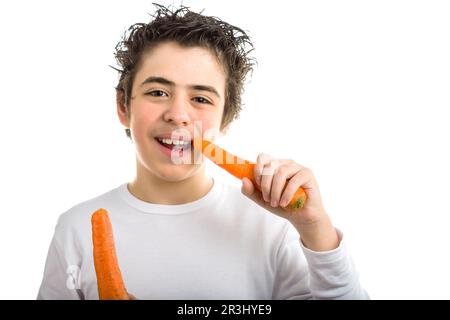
column 162, row 80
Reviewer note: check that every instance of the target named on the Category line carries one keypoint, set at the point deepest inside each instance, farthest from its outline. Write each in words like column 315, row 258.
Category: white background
column 356, row 90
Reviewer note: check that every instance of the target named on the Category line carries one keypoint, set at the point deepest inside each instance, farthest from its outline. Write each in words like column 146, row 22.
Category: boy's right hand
column 131, row 297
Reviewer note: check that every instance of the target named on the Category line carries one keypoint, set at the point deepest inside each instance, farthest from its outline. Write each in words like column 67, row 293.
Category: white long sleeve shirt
column 222, row 246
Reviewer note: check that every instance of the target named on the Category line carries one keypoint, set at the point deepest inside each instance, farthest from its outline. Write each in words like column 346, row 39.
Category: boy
column 179, row 233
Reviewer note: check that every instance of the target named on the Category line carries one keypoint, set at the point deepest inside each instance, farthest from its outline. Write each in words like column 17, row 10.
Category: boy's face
column 174, row 88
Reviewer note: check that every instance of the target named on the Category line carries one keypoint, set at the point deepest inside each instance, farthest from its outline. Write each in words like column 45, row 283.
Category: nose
column 177, row 113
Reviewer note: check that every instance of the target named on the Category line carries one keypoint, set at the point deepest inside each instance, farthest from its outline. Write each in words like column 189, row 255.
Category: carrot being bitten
column 109, row 278
column 240, row 168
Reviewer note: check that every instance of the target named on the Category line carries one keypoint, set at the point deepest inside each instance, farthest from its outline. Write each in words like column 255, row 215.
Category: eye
column 156, row 93
column 202, row 100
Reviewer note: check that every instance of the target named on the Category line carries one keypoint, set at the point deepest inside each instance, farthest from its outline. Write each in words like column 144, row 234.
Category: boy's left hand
column 277, row 181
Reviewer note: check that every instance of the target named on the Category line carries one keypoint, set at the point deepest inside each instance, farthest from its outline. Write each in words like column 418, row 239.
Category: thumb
column 247, row 187
column 254, row 194
column 249, row 190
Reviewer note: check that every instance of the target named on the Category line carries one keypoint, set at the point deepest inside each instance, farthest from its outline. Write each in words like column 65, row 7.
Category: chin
column 175, row 174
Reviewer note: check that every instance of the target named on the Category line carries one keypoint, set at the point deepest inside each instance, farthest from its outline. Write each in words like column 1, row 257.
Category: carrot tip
column 99, row 214
column 299, row 203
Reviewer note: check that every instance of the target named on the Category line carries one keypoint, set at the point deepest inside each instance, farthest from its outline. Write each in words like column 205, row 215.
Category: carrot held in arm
column 240, row 168
column 109, row 279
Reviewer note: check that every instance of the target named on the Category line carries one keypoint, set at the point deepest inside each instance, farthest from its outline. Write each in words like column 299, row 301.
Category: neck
column 150, row 188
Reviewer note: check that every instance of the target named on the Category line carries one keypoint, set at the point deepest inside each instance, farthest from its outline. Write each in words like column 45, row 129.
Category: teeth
column 174, row 142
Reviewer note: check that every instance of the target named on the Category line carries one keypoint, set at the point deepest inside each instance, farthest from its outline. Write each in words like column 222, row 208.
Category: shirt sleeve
column 61, row 279
column 305, row 274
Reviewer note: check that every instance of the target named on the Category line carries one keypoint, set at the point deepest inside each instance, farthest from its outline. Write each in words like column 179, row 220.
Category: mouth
column 184, row 145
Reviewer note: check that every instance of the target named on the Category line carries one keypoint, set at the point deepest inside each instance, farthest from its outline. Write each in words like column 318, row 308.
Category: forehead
column 182, row 65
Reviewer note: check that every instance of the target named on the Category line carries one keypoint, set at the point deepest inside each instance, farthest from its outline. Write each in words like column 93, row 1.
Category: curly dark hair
column 230, row 44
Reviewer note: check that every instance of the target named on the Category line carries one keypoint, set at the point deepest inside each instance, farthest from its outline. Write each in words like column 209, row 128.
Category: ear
column 122, row 110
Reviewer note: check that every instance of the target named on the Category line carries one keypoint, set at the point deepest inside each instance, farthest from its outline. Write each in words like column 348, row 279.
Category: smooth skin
column 161, row 107
column 158, row 108
column 278, row 180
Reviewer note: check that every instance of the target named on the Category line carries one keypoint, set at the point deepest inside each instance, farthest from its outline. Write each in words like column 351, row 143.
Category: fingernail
column 283, row 203
column 273, row 203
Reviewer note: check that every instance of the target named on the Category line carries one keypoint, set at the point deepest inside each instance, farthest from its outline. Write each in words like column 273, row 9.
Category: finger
column 131, row 297
column 280, row 180
column 247, row 187
column 261, row 161
column 301, row 179
column 267, row 177
column 252, row 193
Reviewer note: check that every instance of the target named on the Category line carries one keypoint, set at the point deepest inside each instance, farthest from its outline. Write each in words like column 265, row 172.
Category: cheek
column 210, row 124
column 142, row 122
column 211, row 128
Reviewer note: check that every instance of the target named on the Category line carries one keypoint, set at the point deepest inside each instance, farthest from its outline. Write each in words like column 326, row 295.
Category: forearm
column 319, row 236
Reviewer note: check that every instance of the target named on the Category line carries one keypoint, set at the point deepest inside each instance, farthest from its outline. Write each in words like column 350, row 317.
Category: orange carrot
column 240, row 168
column 109, row 279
